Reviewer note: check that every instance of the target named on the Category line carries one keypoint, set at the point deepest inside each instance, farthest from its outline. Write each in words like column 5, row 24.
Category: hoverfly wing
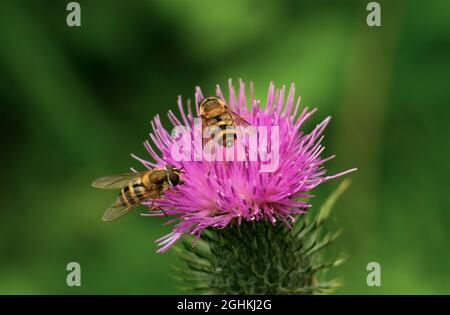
column 238, row 119
column 240, row 122
column 114, row 181
column 116, row 210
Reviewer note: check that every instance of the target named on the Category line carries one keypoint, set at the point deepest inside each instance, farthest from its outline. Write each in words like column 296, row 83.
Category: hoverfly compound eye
column 174, row 179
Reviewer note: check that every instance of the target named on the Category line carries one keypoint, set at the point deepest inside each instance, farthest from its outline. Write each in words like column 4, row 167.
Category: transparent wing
column 238, row 119
column 114, row 181
column 116, row 210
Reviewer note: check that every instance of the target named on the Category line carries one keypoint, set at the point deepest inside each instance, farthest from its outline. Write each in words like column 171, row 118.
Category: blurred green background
column 75, row 102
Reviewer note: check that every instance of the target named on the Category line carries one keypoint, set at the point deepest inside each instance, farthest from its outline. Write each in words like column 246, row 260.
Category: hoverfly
column 138, row 187
column 215, row 112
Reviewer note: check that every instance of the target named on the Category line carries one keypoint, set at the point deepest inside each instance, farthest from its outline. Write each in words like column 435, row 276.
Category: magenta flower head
column 270, row 180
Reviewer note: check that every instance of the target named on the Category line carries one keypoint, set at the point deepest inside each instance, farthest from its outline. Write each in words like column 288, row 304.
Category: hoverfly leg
column 152, row 207
column 163, row 211
column 159, row 208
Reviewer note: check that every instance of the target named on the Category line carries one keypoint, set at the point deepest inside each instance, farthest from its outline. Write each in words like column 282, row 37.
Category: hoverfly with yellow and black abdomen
column 136, row 188
column 214, row 112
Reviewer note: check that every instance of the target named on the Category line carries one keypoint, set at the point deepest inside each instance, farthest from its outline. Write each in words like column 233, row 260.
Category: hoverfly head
column 173, row 175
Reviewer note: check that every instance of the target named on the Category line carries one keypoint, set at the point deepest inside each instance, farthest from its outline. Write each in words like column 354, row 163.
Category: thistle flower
column 215, row 194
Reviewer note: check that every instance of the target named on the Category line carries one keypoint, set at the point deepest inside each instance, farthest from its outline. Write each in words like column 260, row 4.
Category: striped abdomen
column 135, row 193
column 228, row 132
